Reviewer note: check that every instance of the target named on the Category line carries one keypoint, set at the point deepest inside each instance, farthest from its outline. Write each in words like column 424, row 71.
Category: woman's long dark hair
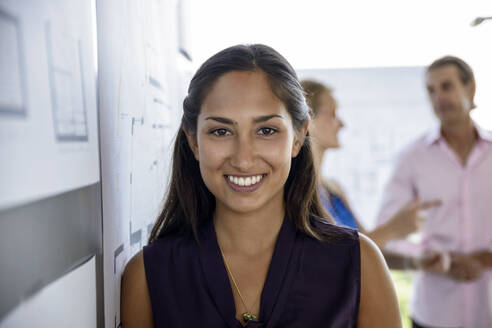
column 189, row 203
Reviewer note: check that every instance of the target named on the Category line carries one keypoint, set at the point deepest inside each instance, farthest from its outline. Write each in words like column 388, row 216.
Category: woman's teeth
column 245, row 181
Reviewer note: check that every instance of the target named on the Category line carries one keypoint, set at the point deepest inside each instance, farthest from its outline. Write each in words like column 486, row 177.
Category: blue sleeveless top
column 338, row 209
column 309, row 283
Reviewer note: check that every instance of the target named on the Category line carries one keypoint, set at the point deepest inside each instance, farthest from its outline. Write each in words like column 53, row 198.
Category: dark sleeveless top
column 309, row 283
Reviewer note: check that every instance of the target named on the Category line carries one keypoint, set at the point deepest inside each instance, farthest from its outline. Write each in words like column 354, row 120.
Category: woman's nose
column 243, row 153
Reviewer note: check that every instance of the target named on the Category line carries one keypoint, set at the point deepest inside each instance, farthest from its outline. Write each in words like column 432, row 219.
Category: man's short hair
column 464, row 70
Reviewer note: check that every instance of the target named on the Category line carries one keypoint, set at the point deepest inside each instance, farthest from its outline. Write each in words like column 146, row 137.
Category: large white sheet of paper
column 139, row 115
column 48, row 106
column 69, row 301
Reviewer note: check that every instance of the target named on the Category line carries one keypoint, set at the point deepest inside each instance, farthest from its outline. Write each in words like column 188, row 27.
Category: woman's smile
column 245, row 183
column 244, row 143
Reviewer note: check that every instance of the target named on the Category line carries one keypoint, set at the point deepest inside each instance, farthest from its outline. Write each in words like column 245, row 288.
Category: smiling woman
column 242, row 239
column 244, row 131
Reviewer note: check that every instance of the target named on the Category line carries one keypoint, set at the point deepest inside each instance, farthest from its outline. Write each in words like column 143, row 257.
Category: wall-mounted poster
column 48, row 106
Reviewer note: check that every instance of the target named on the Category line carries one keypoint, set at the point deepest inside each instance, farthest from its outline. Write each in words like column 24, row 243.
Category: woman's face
column 244, row 143
column 325, row 125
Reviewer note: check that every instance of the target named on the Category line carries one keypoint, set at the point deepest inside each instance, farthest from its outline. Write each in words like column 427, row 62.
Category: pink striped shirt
column 429, row 169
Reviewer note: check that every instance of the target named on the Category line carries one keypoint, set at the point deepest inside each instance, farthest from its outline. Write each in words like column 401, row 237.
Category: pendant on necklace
column 249, row 317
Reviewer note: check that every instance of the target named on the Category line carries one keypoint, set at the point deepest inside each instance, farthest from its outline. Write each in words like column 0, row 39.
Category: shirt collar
column 435, row 135
column 484, row 134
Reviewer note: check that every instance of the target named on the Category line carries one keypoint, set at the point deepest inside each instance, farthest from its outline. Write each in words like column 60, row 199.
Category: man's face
column 450, row 98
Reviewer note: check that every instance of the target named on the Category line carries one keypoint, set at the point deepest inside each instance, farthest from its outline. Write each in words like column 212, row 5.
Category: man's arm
column 456, row 266
column 466, row 267
column 484, row 257
column 406, row 221
column 399, row 190
column 436, row 262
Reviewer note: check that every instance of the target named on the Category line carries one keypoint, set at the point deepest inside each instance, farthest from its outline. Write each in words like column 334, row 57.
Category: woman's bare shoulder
column 378, row 302
column 136, row 309
column 370, row 253
column 135, row 267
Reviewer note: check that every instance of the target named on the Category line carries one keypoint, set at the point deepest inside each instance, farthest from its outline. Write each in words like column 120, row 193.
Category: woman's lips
column 245, row 183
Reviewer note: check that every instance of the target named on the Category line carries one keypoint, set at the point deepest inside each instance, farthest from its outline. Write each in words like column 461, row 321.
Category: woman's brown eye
column 219, row 132
column 267, row 131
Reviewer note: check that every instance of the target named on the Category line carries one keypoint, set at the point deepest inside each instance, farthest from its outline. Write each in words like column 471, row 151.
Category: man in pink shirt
column 452, row 164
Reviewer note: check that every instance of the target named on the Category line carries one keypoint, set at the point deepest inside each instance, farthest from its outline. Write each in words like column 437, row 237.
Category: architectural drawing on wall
column 119, row 260
column 159, row 91
column 67, row 85
column 149, row 229
column 116, row 255
column 13, row 99
column 183, row 29
column 135, row 238
column 158, row 98
column 138, row 117
column 48, row 104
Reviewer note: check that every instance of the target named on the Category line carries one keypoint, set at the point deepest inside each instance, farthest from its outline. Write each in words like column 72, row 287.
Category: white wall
column 315, row 34
column 69, row 301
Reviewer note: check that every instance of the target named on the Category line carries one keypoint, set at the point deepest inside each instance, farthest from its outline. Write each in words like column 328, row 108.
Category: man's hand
column 407, row 220
column 435, row 262
column 465, row 267
column 484, row 257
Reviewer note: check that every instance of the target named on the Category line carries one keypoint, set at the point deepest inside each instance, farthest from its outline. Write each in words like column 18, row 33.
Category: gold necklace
column 248, row 315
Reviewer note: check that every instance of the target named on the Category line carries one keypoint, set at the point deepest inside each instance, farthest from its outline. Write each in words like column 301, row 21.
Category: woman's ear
column 191, row 138
column 299, row 139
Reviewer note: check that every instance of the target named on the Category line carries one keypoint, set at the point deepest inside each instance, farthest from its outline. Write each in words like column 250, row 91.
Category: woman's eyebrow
column 266, row 118
column 258, row 119
column 221, row 120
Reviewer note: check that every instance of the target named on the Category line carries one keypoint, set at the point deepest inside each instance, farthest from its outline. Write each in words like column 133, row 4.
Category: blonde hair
column 313, row 91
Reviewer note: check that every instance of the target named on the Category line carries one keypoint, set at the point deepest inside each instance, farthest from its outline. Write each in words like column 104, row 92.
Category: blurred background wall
column 383, row 109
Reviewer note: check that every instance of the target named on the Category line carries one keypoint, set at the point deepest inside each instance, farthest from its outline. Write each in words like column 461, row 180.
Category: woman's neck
column 318, row 153
column 248, row 233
